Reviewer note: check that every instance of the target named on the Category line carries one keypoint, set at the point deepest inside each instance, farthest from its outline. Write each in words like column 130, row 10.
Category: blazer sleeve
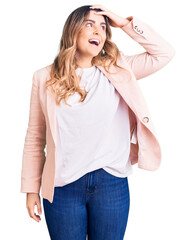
column 158, row 51
column 33, row 153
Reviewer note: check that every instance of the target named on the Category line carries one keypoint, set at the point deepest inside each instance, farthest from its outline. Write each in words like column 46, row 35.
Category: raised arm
column 158, row 51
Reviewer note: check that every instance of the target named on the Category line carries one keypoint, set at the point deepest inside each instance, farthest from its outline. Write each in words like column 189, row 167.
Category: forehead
column 97, row 18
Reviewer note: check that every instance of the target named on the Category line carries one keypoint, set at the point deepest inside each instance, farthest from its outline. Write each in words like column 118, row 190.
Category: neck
column 84, row 62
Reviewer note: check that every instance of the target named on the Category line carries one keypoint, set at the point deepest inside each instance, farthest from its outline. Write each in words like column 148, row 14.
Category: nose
column 96, row 29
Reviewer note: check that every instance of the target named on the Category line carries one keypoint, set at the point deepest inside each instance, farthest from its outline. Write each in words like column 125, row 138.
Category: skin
column 85, row 53
column 32, row 200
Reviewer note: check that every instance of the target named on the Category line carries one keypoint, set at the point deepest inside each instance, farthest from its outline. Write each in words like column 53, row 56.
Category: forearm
column 158, row 51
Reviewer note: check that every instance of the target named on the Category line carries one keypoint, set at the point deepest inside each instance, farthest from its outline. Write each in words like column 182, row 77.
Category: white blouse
column 92, row 134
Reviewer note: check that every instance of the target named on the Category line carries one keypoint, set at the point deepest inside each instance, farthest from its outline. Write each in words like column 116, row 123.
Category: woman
column 88, row 109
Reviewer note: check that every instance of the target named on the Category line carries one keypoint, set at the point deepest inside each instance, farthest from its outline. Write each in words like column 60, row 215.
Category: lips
column 94, row 41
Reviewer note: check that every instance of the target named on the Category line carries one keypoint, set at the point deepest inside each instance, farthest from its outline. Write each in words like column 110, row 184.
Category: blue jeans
column 97, row 205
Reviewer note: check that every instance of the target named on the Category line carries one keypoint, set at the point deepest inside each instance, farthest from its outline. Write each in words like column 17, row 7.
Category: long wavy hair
column 64, row 81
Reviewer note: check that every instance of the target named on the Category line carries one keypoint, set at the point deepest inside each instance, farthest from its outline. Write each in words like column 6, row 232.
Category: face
column 94, row 28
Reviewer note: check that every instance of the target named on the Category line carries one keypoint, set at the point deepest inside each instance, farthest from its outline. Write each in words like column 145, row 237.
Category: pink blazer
column 38, row 168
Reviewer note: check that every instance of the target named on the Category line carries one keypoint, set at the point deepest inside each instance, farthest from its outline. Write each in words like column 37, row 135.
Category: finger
column 98, row 6
column 102, row 13
column 39, row 209
column 33, row 215
column 36, row 217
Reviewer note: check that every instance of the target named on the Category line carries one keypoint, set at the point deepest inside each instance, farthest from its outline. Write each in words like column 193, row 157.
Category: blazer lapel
column 51, row 111
column 127, row 86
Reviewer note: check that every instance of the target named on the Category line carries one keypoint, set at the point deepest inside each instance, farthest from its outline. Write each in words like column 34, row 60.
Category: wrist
column 126, row 21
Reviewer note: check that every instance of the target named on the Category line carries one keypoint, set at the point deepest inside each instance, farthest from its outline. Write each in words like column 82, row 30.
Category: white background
column 162, row 202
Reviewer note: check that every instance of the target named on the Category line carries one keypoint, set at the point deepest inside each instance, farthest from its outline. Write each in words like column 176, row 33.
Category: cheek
column 104, row 40
column 83, row 38
column 81, row 42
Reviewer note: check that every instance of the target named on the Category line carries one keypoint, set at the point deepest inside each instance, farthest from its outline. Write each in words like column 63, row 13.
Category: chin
column 94, row 55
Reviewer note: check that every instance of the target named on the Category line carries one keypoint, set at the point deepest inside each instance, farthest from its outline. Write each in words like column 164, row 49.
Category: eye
column 88, row 23
column 103, row 27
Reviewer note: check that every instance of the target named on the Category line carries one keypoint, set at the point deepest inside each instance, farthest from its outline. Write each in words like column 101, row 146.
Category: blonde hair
column 63, row 78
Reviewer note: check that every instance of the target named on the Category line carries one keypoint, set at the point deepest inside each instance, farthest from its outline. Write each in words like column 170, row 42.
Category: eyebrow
column 94, row 21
